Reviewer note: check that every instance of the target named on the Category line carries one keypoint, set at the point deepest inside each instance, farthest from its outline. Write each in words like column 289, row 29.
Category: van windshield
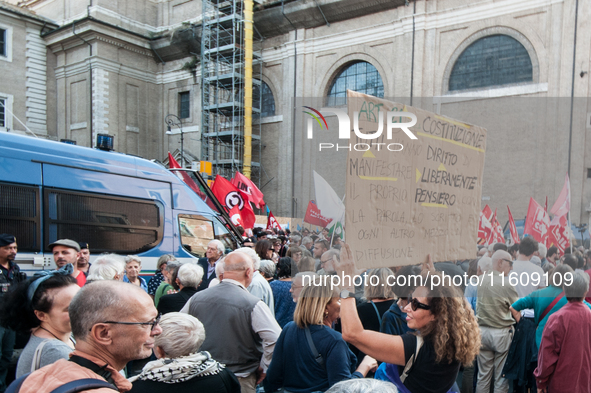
column 198, row 230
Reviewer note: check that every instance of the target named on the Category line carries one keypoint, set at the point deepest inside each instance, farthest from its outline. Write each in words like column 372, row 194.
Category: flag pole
column 333, row 231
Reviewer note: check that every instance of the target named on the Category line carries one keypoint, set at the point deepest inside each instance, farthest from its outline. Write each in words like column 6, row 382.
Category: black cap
column 83, row 245
column 6, row 239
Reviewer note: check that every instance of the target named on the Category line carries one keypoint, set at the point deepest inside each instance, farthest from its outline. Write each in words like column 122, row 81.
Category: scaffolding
column 222, row 90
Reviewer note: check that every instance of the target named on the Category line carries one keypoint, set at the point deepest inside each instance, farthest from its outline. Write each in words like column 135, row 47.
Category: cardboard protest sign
column 407, row 198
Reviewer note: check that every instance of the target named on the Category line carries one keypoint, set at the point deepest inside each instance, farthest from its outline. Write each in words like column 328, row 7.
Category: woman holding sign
column 447, row 334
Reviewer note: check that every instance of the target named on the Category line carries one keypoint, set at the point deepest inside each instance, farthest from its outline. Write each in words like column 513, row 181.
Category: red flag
column 496, row 234
column 537, row 222
column 184, row 176
column 557, row 235
column 484, row 226
column 248, row 188
column 314, row 217
column 272, row 222
column 232, row 199
column 512, row 228
column 562, row 204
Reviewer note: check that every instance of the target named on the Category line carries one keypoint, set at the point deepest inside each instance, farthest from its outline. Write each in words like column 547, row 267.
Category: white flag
column 327, row 200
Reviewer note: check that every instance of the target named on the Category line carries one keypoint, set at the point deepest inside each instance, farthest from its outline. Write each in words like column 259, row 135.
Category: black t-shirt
column 426, row 375
column 370, row 321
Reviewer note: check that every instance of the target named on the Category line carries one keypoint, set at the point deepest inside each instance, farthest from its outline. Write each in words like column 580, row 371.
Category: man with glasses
column 113, row 323
column 495, row 297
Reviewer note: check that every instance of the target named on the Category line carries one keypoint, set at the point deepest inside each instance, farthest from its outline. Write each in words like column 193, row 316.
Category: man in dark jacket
column 215, row 251
column 188, row 278
column 9, row 275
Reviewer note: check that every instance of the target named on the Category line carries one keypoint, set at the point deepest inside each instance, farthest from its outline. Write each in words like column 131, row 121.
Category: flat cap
column 66, row 243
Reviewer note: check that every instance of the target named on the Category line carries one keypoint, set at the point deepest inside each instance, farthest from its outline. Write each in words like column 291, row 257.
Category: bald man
column 240, row 330
column 113, row 323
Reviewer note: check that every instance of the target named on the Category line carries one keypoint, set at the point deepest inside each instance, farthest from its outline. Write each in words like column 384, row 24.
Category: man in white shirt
column 529, row 277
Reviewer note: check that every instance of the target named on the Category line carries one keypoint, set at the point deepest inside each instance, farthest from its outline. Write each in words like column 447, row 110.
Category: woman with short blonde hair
column 309, row 355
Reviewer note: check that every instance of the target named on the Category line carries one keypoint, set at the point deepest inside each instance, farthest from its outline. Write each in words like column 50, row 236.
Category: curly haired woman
column 447, row 336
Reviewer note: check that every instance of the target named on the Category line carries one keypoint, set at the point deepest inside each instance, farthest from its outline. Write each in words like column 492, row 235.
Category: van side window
column 197, row 231
column 19, row 215
column 108, row 223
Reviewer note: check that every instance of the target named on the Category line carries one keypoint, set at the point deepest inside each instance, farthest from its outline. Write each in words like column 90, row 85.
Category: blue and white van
column 115, row 202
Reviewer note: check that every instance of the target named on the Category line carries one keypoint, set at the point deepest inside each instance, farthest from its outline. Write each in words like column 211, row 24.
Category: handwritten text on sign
column 424, row 199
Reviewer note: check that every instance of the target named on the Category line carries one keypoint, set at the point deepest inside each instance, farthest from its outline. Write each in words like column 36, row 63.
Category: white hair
column 536, row 260
column 362, row 385
column 485, row 264
column 256, row 261
column 267, row 268
column 542, row 250
column 190, row 275
column 132, row 258
column 307, row 240
column 218, row 244
column 579, row 286
column 182, row 334
column 106, row 267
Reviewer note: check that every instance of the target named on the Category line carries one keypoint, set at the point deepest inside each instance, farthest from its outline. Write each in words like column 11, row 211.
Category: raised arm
column 380, row 346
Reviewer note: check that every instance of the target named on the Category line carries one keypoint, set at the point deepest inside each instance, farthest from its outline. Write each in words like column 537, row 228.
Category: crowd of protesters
column 255, row 320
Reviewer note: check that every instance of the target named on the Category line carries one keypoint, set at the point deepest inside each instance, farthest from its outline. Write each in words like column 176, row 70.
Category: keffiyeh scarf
column 180, row 369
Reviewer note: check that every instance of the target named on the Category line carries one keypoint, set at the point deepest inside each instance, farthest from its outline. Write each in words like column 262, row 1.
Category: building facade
column 119, row 67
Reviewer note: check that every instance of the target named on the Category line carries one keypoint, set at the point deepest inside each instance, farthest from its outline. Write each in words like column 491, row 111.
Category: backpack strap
column 317, row 356
column 412, row 359
column 80, row 385
column 377, row 312
column 550, row 307
column 98, row 370
column 15, row 386
column 36, row 363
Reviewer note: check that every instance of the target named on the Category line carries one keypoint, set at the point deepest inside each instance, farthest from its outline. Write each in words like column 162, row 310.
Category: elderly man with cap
column 83, row 263
column 68, row 251
column 113, row 323
column 9, row 274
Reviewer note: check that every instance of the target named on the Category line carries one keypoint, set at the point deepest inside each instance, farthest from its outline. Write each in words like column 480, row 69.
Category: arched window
column 361, row 77
column 494, row 60
column 268, row 101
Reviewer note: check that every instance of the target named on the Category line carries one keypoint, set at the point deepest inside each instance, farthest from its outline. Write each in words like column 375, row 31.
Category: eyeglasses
column 414, row 304
column 152, row 324
column 507, row 260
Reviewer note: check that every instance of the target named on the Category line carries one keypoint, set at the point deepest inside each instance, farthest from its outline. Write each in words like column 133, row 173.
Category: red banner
column 184, row 176
column 248, row 188
column 537, row 222
column 496, row 235
column 232, row 199
column 484, row 226
column 314, row 217
column 272, row 222
column 557, row 235
column 513, row 228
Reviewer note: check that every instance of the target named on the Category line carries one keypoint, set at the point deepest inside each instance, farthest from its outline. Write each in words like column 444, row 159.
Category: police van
column 116, row 203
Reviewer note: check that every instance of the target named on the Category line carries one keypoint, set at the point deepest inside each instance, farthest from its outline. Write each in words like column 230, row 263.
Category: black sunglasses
column 414, row 304
column 152, row 324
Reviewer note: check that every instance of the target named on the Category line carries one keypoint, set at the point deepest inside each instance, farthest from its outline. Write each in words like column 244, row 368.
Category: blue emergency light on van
column 114, row 202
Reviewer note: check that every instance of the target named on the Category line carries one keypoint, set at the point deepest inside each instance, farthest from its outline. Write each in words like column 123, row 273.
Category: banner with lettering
column 406, row 197
column 484, row 225
column 314, row 217
column 558, row 234
column 537, row 221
